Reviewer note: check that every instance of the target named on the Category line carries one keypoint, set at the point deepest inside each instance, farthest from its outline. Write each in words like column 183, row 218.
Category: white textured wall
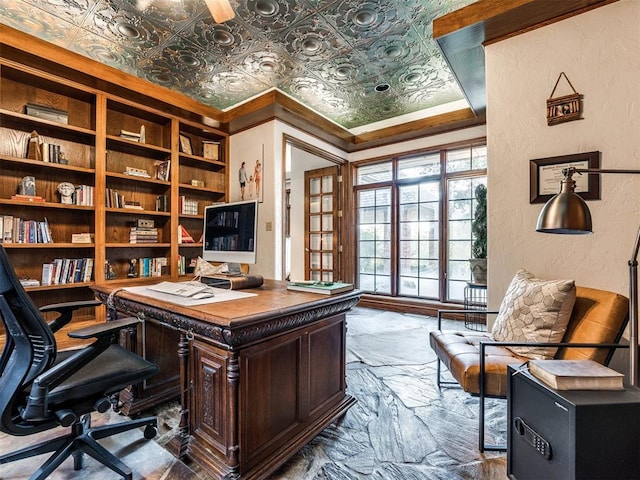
column 600, row 53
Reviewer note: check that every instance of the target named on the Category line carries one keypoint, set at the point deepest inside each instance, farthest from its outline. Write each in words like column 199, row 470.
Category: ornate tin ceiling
column 354, row 61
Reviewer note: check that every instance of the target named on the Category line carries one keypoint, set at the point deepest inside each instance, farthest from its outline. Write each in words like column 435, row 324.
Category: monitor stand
column 234, row 269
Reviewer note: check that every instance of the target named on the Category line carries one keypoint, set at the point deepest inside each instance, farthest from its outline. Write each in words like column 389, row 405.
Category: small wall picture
column 185, row 145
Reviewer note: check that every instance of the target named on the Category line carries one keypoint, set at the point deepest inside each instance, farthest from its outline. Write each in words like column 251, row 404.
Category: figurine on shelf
column 109, row 274
column 34, row 151
column 27, row 186
column 132, row 268
column 66, row 191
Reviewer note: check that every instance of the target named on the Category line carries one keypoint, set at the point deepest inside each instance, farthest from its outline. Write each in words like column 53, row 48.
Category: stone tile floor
column 402, row 427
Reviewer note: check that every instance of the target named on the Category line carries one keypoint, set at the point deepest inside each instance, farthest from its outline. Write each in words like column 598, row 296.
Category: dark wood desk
column 259, row 377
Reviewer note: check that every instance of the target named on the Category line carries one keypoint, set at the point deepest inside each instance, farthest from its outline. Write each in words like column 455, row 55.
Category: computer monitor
column 230, row 232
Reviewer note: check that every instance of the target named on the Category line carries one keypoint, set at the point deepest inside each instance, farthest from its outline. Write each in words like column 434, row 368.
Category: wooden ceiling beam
column 462, row 35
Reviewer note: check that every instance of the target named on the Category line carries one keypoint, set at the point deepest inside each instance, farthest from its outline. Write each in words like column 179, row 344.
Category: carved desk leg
column 178, row 445
column 233, row 380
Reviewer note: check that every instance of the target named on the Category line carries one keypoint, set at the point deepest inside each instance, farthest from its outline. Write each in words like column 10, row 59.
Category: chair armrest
column 103, row 329
column 66, row 310
column 476, row 311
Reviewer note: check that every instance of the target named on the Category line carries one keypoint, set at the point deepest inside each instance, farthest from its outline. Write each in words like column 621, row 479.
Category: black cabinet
column 574, row 434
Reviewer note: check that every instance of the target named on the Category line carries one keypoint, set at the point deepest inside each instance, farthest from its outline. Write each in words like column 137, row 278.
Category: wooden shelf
column 137, row 245
column 60, row 286
column 135, row 178
column 135, row 211
column 47, row 165
column 61, row 206
column 58, row 245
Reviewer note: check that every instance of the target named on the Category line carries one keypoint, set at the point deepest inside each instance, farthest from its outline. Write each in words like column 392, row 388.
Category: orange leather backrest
column 598, row 317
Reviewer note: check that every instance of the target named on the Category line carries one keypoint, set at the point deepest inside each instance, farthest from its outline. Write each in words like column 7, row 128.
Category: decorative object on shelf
column 34, row 151
column 478, row 262
column 143, row 134
column 568, row 213
column 27, row 186
column 211, row 150
column 183, row 235
column 545, row 174
column 136, row 172
column 109, row 274
column 133, row 136
column 185, row 145
column 132, row 273
column 162, row 170
column 82, row 237
column 66, row 191
column 197, row 183
column 566, row 108
column 46, row 113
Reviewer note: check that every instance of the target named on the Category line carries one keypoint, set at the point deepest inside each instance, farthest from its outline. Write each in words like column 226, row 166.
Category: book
column 324, row 288
column 233, row 282
column 576, row 375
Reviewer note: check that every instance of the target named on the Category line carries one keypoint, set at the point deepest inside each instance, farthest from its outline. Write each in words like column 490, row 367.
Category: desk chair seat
column 41, row 388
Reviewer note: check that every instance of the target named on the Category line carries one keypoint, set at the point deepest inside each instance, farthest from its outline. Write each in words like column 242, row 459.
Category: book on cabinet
column 576, row 375
column 96, row 157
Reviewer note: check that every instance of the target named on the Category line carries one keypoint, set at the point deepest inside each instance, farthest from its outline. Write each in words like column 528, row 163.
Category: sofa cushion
column 534, row 310
column 460, row 353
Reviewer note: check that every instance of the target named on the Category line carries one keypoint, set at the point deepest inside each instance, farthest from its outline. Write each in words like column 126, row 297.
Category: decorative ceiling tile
column 40, row 23
column 359, row 21
column 354, row 61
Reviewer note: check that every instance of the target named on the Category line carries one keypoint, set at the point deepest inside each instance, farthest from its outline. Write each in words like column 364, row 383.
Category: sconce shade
column 565, row 213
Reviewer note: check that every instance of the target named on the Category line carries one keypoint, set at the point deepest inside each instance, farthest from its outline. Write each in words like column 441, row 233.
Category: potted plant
column 478, row 261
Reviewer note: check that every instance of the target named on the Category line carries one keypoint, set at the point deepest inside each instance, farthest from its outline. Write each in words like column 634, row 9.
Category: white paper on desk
column 220, row 295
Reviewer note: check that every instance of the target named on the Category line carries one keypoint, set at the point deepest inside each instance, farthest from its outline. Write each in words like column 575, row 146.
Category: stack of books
column 143, row 235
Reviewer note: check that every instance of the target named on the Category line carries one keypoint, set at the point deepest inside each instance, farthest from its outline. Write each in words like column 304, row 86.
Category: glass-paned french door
column 322, row 225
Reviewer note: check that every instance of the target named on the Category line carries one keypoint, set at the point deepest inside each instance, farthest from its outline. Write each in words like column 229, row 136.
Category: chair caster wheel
column 150, row 431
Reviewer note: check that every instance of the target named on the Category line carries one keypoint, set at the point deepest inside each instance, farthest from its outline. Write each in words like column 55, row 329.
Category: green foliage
column 479, row 224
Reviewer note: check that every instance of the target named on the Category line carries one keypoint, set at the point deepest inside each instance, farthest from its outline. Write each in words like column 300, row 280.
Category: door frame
column 345, row 203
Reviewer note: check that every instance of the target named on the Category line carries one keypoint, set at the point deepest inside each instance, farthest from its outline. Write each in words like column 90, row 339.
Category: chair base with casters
column 479, row 364
column 80, row 441
column 42, row 388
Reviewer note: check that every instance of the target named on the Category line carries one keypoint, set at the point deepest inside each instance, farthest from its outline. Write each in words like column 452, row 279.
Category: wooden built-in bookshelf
column 96, row 155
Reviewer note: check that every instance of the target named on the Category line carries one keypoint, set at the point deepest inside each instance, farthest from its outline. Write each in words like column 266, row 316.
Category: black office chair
column 41, row 388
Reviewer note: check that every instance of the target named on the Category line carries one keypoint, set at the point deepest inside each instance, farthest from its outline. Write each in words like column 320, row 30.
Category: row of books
column 143, row 235
column 67, row 270
column 50, row 152
column 116, row 200
column 19, row 230
column 184, row 236
column 186, row 264
column 83, row 195
column 152, row 267
column 187, row 206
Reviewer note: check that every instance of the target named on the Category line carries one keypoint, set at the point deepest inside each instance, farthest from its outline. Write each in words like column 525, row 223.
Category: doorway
column 308, row 255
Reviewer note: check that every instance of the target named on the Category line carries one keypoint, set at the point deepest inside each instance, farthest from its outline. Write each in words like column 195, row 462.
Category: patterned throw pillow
column 534, row 310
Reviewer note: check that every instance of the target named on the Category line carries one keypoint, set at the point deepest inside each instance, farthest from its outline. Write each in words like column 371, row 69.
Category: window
column 414, row 223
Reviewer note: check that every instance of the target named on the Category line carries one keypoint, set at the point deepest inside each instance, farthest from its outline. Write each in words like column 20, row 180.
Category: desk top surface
column 272, row 300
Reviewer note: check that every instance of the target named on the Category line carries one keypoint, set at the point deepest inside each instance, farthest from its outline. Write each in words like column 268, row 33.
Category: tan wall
column 600, row 53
